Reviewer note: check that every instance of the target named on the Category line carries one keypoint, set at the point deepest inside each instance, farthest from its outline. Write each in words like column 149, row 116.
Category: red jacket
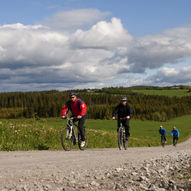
column 77, row 108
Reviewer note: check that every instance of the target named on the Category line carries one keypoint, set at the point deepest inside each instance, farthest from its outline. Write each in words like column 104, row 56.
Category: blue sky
column 64, row 44
column 139, row 17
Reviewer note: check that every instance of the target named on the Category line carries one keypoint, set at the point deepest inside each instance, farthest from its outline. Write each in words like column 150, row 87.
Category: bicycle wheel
column 174, row 142
column 162, row 141
column 79, row 141
column 120, row 138
column 66, row 139
column 125, row 142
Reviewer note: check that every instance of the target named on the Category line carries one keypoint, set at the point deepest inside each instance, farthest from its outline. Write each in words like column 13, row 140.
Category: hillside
column 148, row 103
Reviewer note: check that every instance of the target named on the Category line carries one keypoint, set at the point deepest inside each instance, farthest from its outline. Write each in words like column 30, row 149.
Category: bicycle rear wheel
column 79, row 141
column 66, row 139
column 120, row 138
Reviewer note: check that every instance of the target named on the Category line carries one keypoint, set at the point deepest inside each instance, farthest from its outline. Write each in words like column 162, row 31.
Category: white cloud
column 30, row 45
column 21, row 26
column 155, row 51
column 103, row 35
column 180, row 75
column 37, row 57
column 40, row 55
column 75, row 19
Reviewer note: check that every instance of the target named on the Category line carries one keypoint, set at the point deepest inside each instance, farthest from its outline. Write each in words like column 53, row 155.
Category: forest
column 100, row 104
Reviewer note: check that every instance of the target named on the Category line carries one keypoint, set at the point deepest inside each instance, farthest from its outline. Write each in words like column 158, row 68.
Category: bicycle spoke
column 120, row 137
column 125, row 143
column 67, row 139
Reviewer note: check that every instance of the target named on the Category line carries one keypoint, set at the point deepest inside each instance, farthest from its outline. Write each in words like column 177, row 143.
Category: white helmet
column 123, row 98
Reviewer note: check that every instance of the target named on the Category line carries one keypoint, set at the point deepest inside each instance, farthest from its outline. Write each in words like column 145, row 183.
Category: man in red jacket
column 79, row 111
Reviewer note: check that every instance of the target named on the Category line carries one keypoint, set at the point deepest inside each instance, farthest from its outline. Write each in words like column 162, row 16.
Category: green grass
column 144, row 133
column 29, row 134
column 170, row 93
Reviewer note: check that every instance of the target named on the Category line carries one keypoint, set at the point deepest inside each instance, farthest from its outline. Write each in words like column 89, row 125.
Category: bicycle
column 175, row 139
column 163, row 141
column 122, row 141
column 68, row 136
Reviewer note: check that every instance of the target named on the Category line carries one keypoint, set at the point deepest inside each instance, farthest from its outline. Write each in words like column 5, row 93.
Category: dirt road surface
column 61, row 170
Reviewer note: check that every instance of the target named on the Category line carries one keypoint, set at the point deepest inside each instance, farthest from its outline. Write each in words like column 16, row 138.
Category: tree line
column 100, row 105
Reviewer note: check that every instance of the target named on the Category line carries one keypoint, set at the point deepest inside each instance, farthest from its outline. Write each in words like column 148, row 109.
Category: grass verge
column 44, row 134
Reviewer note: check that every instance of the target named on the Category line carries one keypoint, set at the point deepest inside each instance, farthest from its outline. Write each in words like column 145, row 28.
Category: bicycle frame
column 71, row 125
column 163, row 140
column 70, row 137
column 122, row 128
column 175, row 140
column 122, row 142
column 121, row 124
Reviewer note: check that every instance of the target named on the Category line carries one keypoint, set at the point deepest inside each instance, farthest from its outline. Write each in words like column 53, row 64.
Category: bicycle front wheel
column 66, row 139
column 125, row 143
column 162, row 141
column 174, row 142
column 120, row 138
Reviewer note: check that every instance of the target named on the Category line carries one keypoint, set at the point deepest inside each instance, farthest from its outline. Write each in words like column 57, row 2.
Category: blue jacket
column 162, row 131
column 175, row 132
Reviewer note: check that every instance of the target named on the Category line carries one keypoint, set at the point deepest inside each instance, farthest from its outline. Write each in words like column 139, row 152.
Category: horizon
column 117, row 87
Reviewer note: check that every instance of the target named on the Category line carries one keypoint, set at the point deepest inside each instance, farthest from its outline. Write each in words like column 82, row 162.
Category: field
column 44, row 134
column 164, row 92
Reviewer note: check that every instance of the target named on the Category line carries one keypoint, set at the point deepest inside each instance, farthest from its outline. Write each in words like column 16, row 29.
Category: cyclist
column 123, row 110
column 79, row 111
column 175, row 133
column 162, row 132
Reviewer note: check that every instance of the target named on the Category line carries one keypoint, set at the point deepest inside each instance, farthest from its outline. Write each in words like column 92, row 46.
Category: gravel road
column 96, row 169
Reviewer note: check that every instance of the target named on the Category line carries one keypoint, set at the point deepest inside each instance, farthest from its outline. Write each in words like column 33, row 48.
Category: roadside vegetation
column 31, row 120
column 44, row 134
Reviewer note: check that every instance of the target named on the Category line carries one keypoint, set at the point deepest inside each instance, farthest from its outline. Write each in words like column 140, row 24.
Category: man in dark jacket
column 124, row 113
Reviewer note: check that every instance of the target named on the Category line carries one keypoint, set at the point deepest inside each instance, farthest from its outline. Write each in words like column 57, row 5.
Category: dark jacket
column 122, row 111
column 162, row 131
column 175, row 132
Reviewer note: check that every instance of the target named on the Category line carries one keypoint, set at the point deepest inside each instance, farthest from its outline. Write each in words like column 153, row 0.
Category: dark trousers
column 125, row 123
column 175, row 137
column 81, row 127
column 164, row 137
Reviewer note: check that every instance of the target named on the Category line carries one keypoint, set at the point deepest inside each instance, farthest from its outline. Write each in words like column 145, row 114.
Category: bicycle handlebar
column 69, row 118
column 122, row 118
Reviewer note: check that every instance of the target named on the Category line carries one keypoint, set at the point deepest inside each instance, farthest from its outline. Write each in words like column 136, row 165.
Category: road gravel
column 79, row 170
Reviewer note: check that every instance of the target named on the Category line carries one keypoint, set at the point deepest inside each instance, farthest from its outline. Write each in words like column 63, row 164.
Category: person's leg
column 82, row 128
column 127, row 128
column 118, row 125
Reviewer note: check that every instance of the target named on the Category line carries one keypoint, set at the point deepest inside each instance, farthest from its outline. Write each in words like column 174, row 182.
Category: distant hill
column 147, row 102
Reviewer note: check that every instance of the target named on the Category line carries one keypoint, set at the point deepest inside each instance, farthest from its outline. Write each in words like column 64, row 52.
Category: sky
column 77, row 44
